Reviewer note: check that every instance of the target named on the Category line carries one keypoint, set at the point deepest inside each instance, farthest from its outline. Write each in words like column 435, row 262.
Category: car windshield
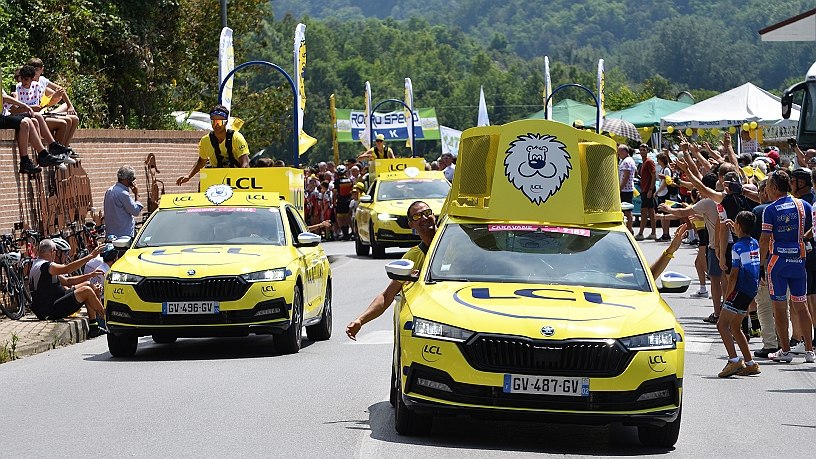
column 213, row 225
column 413, row 189
column 537, row 254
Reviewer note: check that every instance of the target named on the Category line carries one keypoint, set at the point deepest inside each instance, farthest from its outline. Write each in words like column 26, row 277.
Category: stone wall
column 102, row 152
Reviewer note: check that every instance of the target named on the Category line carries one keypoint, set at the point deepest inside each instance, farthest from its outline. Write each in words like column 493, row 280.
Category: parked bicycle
column 15, row 295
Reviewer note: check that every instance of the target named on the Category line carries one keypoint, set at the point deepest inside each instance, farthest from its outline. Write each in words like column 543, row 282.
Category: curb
column 64, row 333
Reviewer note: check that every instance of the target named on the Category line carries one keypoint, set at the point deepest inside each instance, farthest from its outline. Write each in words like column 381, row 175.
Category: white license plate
column 190, row 307
column 546, row 385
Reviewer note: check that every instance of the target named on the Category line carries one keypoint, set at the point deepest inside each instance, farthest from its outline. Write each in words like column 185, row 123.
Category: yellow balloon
column 745, row 126
column 670, row 129
column 753, row 124
column 732, row 129
column 689, row 131
column 715, row 131
column 700, row 131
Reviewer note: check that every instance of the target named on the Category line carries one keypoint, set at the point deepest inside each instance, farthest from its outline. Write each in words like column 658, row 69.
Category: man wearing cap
column 378, row 151
column 222, row 147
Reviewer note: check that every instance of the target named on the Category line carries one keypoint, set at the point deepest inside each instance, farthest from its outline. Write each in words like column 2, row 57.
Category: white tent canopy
column 740, row 105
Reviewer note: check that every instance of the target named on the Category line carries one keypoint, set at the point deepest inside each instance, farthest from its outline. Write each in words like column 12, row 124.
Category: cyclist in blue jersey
column 782, row 250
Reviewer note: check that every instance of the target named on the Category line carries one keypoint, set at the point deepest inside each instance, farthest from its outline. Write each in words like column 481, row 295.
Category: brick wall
column 102, row 152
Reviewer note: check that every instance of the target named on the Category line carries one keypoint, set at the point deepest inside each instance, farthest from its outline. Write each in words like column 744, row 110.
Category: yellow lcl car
column 533, row 300
column 222, row 263
column 381, row 220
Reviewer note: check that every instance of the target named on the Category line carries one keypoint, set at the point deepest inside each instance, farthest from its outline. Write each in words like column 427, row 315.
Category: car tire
column 377, row 250
column 164, row 339
column 409, row 423
column 289, row 341
column 392, row 394
column 122, row 345
column 322, row 330
column 359, row 247
column 660, row 437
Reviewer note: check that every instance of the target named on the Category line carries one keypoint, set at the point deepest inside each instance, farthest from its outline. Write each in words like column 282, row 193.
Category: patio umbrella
column 621, row 128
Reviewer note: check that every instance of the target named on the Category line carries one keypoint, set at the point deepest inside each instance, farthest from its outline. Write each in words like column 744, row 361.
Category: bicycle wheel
column 14, row 302
column 23, row 269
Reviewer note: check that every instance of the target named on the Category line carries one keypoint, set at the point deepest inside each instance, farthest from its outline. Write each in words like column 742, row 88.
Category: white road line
column 696, row 345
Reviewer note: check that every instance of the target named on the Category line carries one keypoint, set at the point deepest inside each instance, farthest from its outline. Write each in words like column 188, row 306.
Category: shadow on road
column 201, row 349
column 467, row 433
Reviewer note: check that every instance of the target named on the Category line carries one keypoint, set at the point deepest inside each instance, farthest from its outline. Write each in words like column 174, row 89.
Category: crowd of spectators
column 751, row 217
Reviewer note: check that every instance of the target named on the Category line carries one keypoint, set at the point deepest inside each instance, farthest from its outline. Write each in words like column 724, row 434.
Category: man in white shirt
column 447, row 166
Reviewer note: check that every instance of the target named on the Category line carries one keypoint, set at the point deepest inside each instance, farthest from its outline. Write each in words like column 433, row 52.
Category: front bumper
column 600, row 407
column 263, row 308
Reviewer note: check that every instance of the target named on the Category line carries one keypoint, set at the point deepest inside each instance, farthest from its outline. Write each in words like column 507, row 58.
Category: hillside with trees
column 128, row 64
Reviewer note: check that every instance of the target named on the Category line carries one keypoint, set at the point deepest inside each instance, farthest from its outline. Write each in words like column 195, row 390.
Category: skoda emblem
column 547, row 330
column 191, row 272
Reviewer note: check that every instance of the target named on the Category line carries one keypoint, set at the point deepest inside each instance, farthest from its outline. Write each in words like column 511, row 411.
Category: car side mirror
column 122, row 243
column 401, row 270
column 308, row 240
column 674, row 282
column 366, row 198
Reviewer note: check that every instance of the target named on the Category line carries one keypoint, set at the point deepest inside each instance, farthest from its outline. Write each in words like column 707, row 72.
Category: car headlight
column 270, row 275
column 384, row 216
column 651, row 341
column 115, row 277
column 427, row 329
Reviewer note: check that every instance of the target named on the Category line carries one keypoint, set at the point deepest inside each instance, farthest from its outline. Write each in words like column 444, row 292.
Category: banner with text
column 450, row 140
column 392, row 125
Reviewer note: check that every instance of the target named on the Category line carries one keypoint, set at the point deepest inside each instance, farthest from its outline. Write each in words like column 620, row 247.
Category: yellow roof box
column 285, row 181
column 396, row 165
column 536, row 170
column 220, row 196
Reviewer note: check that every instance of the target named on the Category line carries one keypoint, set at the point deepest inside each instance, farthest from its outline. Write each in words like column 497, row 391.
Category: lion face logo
column 537, row 164
column 217, row 194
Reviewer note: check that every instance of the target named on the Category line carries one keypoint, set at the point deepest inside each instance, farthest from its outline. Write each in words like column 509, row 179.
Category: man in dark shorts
column 52, row 300
column 647, row 193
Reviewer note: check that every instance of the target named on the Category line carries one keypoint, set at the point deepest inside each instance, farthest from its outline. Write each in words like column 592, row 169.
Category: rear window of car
column 398, row 190
column 537, row 254
column 213, row 225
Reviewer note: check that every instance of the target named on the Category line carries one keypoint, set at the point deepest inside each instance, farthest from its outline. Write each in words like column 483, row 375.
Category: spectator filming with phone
column 120, row 208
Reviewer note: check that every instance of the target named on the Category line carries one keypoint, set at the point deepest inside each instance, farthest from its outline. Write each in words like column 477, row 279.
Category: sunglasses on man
column 424, row 213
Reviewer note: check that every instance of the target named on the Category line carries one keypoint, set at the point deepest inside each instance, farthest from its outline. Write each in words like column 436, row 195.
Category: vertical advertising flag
column 335, row 146
column 226, row 62
column 547, row 89
column 601, row 94
column 305, row 141
column 409, row 112
column 365, row 135
column 483, row 119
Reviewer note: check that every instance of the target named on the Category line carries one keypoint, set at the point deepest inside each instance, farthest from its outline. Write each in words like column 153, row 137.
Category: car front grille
column 211, row 289
column 566, row 358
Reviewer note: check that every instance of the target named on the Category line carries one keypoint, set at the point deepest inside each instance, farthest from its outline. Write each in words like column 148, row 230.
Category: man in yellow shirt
column 421, row 219
column 378, row 151
column 222, row 147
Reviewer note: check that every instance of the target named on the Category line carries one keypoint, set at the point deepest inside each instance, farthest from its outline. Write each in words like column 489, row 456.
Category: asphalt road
column 237, row 397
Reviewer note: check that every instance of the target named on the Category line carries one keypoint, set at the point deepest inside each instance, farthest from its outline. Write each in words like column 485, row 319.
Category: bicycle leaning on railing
column 14, row 295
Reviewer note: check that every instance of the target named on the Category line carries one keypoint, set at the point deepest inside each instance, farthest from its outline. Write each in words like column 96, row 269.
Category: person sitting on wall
column 223, row 147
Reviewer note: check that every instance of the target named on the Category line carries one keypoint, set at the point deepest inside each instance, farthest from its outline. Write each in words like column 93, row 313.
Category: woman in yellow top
column 233, row 150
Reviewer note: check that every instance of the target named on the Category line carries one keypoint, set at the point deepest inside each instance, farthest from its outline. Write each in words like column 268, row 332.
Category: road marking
column 695, row 345
column 375, row 337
